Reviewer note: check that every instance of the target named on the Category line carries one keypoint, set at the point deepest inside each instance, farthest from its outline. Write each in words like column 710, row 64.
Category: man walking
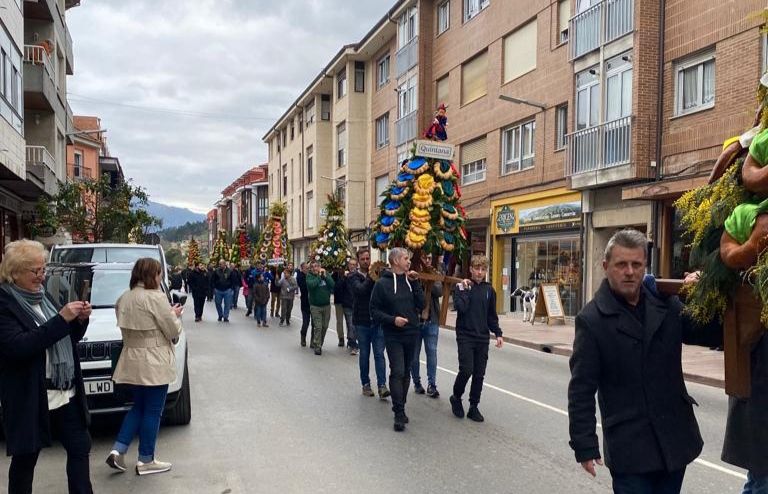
column 627, row 349
column 320, row 286
column 198, row 284
column 369, row 335
column 347, row 305
column 222, row 290
column 396, row 302
column 428, row 334
column 237, row 284
column 301, row 279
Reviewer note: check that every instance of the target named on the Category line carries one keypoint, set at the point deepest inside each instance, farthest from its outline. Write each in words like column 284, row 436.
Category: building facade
column 244, row 204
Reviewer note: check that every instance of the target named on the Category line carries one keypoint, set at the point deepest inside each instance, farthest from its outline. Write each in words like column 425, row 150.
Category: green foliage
column 184, row 232
column 94, row 211
column 174, row 257
column 331, row 248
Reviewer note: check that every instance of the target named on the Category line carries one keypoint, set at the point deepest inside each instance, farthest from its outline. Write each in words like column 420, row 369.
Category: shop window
column 546, row 260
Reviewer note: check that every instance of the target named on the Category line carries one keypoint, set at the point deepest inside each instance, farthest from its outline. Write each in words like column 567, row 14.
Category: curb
column 558, row 349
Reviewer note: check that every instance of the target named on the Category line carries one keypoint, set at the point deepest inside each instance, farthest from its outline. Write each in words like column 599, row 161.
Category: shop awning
column 670, row 188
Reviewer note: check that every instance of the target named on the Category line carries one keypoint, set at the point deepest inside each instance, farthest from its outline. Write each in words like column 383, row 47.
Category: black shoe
column 474, row 414
column 220, row 318
column 226, row 319
column 432, row 391
column 418, row 389
column 341, row 344
column 399, row 422
column 456, row 407
column 318, row 351
column 247, row 313
column 405, row 418
column 303, row 342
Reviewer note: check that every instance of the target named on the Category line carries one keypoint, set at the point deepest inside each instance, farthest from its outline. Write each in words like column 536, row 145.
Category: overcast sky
column 187, row 88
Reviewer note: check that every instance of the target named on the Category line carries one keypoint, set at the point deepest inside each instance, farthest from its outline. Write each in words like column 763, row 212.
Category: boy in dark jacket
column 475, row 302
column 260, row 300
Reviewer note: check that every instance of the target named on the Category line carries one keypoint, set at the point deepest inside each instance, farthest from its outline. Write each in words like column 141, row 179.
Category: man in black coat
column 301, row 279
column 627, row 349
column 198, row 284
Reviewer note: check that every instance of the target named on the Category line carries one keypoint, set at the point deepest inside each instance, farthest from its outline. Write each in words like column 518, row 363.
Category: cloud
column 186, row 88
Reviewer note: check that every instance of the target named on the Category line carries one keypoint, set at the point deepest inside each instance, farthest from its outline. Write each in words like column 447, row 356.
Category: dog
column 528, row 297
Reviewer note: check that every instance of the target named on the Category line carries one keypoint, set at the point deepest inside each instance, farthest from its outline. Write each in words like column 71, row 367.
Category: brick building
column 244, row 203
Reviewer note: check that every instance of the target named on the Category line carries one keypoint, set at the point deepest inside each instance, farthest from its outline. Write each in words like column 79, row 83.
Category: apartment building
column 335, row 137
column 244, row 204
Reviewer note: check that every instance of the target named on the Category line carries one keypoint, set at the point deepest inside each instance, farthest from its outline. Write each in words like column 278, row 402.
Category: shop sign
column 505, row 219
column 324, row 212
column 552, row 213
column 432, row 149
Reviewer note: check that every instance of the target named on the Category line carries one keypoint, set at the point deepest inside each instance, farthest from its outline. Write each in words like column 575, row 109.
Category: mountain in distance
column 173, row 216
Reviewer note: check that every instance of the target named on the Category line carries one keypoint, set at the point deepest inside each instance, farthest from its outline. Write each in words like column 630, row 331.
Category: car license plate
column 100, row 387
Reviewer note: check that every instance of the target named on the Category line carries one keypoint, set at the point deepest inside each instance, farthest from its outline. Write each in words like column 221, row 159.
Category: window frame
column 618, row 71
column 468, row 15
column 341, row 84
column 341, row 147
column 382, row 68
column 359, row 76
column 595, row 82
column 508, row 163
column 477, row 164
column 680, row 67
column 407, row 27
column 446, row 5
column 310, row 162
column 382, row 131
column 561, row 127
column 309, row 197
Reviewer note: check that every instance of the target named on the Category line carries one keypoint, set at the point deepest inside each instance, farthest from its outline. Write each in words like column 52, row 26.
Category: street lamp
column 520, row 101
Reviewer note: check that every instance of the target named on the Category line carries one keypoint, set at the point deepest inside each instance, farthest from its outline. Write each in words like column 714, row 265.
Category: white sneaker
column 153, row 466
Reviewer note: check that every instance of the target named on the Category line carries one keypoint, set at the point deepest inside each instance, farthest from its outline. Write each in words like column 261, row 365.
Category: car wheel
column 181, row 413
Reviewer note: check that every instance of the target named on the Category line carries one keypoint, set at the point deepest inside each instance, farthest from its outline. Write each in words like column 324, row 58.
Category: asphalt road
column 271, row 417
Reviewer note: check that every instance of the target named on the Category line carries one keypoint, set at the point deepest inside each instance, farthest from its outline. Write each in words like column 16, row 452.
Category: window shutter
column 473, row 78
column 442, row 91
column 473, row 151
column 563, row 12
column 520, row 51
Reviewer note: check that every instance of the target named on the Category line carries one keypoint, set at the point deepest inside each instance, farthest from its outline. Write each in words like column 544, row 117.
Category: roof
column 82, row 123
column 256, row 175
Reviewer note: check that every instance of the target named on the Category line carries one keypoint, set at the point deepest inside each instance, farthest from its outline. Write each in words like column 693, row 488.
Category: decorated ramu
column 273, row 248
column 331, row 249
column 421, row 209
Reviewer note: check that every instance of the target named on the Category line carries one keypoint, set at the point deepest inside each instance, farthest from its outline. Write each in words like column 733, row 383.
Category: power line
column 170, row 111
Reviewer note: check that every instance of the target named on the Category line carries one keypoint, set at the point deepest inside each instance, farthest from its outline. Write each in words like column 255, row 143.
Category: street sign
column 433, row 149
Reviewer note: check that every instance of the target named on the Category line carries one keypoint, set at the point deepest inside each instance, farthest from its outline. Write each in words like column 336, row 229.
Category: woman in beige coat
column 150, row 328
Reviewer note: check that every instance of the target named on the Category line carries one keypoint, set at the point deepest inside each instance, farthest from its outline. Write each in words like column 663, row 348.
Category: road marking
column 704, row 463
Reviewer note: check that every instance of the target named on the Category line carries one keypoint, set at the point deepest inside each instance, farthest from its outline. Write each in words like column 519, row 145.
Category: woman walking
column 147, row 362
column 41, row 386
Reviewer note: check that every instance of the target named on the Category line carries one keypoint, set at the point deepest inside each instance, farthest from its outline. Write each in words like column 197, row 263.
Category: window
column 695, row 84
column 341, row 141
column 382, row 71
column 474, row 7
column 359, row 77
column 325, row 107
column 341, row 189
column 310, row 209
column 443, row 17
column 520, row 52
column 382, row 131
column 293, row 130
column 11, row 86
column 473, row 75
column 587, row 99
column 285, row 180
column 78, row 170
column 561, row 126
column 764, row 42
column 402, row 154
column 341, row 84
column 310, row 159
column 441, row 90
column 618, row 80
column 407, row 27
column 518, row 147
column 285, row 136
column 563, row 13
column 309, row 113
column 407, row 98
column 473, row 161
column 381, row 185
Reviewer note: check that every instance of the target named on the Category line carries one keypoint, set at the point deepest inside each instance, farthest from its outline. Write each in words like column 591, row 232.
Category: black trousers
column 473, row 358
column 661, row 482
column 306, row 319
column 68, row 425
column 401, row 350
column 199, row 299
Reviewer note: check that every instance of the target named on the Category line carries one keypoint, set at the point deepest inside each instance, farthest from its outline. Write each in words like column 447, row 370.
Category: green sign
column 505, row 219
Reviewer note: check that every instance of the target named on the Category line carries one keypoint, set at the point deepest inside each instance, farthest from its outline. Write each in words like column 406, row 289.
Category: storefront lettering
column 552, row 213
column 505, row 219
column 429, row 149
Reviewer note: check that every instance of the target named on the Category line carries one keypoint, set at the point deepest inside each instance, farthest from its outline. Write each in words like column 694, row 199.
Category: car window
column 102, row 254
column 107, row 287
column 127, row 254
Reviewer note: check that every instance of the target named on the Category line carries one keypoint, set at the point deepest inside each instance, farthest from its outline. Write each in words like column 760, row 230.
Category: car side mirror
column 179, row 298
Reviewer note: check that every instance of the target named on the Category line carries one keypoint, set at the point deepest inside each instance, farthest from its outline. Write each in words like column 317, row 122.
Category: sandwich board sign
column 548, row 303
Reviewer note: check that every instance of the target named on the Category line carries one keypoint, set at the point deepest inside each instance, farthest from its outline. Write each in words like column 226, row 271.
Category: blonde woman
column 147, row 362
column 41, row 386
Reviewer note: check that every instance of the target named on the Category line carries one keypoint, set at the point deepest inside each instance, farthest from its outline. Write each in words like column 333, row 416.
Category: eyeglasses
column 37, row 272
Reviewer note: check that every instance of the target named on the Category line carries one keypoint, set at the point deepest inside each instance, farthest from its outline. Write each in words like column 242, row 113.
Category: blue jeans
column 429, row 333
column 143, row 419
column 260, row 313
column 661, row 482
column 755, row 485
column 371, row 337
column 223, row 297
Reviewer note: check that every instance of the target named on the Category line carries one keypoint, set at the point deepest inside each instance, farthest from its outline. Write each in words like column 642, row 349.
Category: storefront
column 536, row 239
column 10, row 226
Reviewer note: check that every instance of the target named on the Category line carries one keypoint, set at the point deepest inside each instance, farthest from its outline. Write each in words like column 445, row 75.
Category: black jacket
column 23, row 392
column 301, row 279
column 361, row 287
column 396, row 296
column 221, row 279
column 636, row 370
column 176, row 281
column 198, row 282
column 476, row 314
column 237, row 279
column 342, row 293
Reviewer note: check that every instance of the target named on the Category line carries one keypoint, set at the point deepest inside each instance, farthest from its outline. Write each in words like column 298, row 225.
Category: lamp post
column 521, row 101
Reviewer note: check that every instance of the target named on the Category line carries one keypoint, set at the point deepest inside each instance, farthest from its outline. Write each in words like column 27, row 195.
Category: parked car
column 108, row 253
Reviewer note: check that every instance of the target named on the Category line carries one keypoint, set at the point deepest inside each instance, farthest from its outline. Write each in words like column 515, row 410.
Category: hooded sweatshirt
column 476, row 312
column 397, row 296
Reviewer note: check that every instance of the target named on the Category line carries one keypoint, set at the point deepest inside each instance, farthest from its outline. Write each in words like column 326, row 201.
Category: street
column 270, row 416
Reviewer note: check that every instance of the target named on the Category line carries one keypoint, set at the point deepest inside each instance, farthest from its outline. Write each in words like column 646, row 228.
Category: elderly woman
column 147, row 362
column 41, row 386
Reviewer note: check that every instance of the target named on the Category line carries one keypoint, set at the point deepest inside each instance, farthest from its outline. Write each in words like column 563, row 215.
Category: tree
column 272, row 247
column 95, row 211
column 331, row 248
column 174, row 257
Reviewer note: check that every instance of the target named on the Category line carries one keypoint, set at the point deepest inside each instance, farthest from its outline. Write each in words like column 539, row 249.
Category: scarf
column 61, row 361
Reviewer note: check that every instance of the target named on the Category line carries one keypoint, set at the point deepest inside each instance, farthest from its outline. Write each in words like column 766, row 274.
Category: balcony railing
column 600, row 24
column 407, row 57
column 81, row 173
column 39, row 155
column 405, row 129
column 603, row 146
column 37, row 55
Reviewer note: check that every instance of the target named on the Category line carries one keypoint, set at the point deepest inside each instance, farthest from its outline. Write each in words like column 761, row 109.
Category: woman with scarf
column 41, row 386
column 150, row 328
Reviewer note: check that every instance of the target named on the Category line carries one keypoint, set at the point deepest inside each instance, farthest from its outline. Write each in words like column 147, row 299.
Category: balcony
column 600, row 24
column 40, row 91
column 38, row 55
column 41, row 168
column 606, row 146
column 81, row 173
column 407, row 57
column 405, row 129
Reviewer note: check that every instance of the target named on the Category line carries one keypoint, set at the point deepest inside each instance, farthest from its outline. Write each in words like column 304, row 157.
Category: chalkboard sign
column 548, row 303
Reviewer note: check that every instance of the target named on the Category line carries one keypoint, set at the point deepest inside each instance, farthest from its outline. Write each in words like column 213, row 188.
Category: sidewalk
column 700, row 364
